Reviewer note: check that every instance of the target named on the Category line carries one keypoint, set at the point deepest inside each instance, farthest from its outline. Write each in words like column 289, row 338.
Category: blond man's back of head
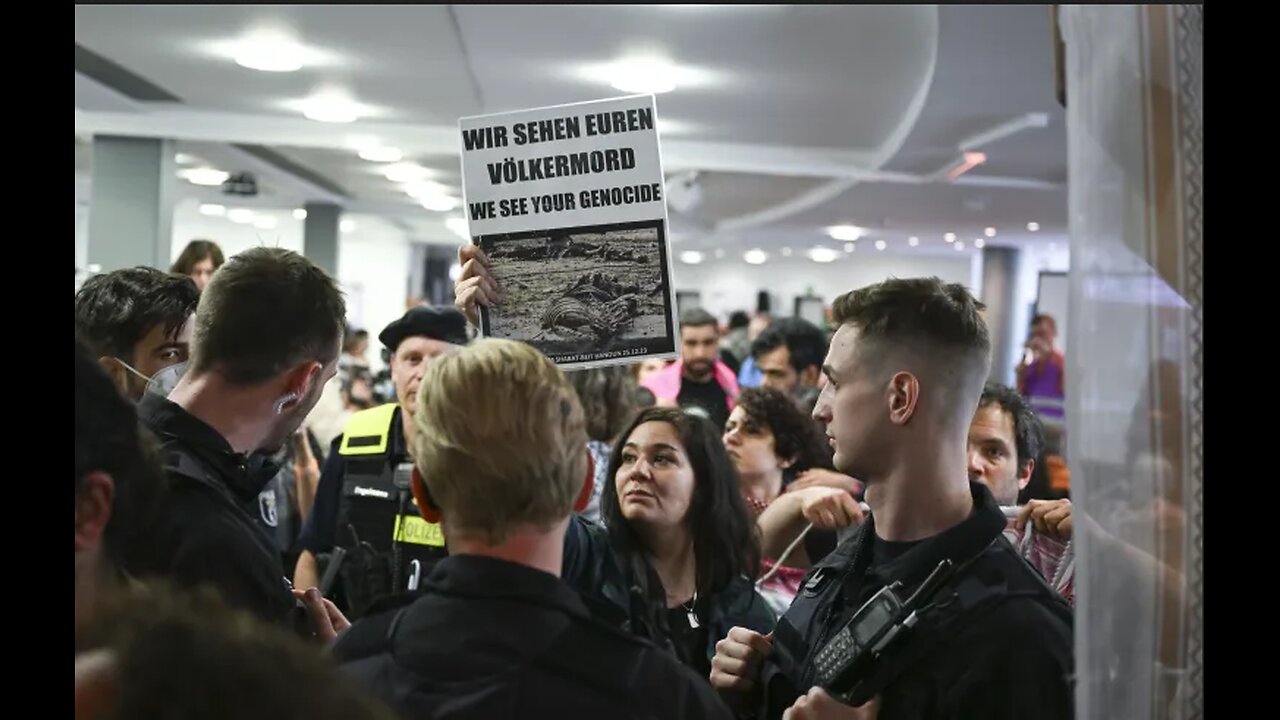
column 501, row 439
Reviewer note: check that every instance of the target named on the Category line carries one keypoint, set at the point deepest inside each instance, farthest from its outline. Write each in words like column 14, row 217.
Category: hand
column 1050, row 517
column 826, row 478
column 736, row 664
column 829, row 508
column 327, row 620
column 475, row 285
column 818, row 705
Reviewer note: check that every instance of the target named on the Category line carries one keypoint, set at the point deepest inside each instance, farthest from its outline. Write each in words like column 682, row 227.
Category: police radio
column 845, row 664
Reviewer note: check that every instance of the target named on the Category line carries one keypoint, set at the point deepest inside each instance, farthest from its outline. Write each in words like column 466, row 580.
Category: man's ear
column 300, row 381
column 1024, row 477
column 811, row 376
column 902, row 397
column 93, row 509
column 588, row 486
column 119, row 376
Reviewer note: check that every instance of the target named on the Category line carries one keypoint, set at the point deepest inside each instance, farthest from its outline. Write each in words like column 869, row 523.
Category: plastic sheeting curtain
column 1133, row 92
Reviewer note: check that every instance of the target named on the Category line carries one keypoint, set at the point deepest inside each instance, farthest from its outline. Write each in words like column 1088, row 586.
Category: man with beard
column 699, row 381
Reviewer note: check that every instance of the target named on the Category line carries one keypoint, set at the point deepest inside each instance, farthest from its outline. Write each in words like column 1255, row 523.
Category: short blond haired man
column 501, row 463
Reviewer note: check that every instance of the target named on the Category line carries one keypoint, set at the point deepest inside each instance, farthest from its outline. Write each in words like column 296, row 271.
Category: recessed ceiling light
column 643, row 75
column 949, row 237
column 989, row 232
column 786, row 252
column 913, row 241
column 208, row 177
column 848, row 247
column 270, row 53
column 1033, row 226
column 266, row 222
column 439, row 203
column 185, row 159
column 880, row 244
column 755, row 257
column 845, row 232
column 406, row 172
column 381, row 153
column 347, row 225
column 240, row 215
column 213, row 210
column 458, row 226
column 690, row 257
column 979, row 243
column 331, row 107
column 300, row 214
column 959, row 245
column 823, row 255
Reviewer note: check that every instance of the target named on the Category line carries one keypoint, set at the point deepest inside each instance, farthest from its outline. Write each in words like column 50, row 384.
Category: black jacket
column 593, row 569
column 494, row 639
column 205, row 534
column 1001, row 649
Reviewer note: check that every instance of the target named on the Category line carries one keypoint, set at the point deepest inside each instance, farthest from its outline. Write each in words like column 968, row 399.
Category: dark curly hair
column 794, row 435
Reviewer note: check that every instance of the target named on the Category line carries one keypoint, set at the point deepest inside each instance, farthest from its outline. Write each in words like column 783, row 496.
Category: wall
column 373, row 258
column 731, row 284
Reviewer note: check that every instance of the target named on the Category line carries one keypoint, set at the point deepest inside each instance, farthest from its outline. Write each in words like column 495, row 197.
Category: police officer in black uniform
column 364, row 540
column 926, row 611
column 496, row 632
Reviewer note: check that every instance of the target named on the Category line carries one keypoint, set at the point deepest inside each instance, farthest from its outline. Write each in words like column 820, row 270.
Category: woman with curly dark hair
column 677, row 561
column 770, row 442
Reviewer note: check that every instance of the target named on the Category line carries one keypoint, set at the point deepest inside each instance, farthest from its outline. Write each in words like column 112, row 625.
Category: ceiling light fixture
column 823, row 255
column 270, row 53
column 690, row 257
column 406, row 173
column 845, row 232
column 208, row 177
column 439, row 203
column 755, row 257
column 331, row 107
column 643, row 76
column 213, row 210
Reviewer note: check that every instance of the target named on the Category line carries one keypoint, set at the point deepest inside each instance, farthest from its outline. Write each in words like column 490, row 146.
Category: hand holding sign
column 475, row 286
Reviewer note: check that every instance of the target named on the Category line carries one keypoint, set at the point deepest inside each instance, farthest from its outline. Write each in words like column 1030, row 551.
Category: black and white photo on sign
column 583, row 294
column 568, row 204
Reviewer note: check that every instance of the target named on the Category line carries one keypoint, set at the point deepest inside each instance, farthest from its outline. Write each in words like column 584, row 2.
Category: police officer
column 960, row 625
column 363, row 505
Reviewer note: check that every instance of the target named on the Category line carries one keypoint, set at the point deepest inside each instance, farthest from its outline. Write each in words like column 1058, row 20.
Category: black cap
column 438, row 323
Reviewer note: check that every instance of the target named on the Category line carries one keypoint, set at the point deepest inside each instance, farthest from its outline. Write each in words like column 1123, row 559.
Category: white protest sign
column 568, row 204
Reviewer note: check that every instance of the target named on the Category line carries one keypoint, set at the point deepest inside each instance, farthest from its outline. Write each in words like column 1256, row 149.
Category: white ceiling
column 817, row 114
